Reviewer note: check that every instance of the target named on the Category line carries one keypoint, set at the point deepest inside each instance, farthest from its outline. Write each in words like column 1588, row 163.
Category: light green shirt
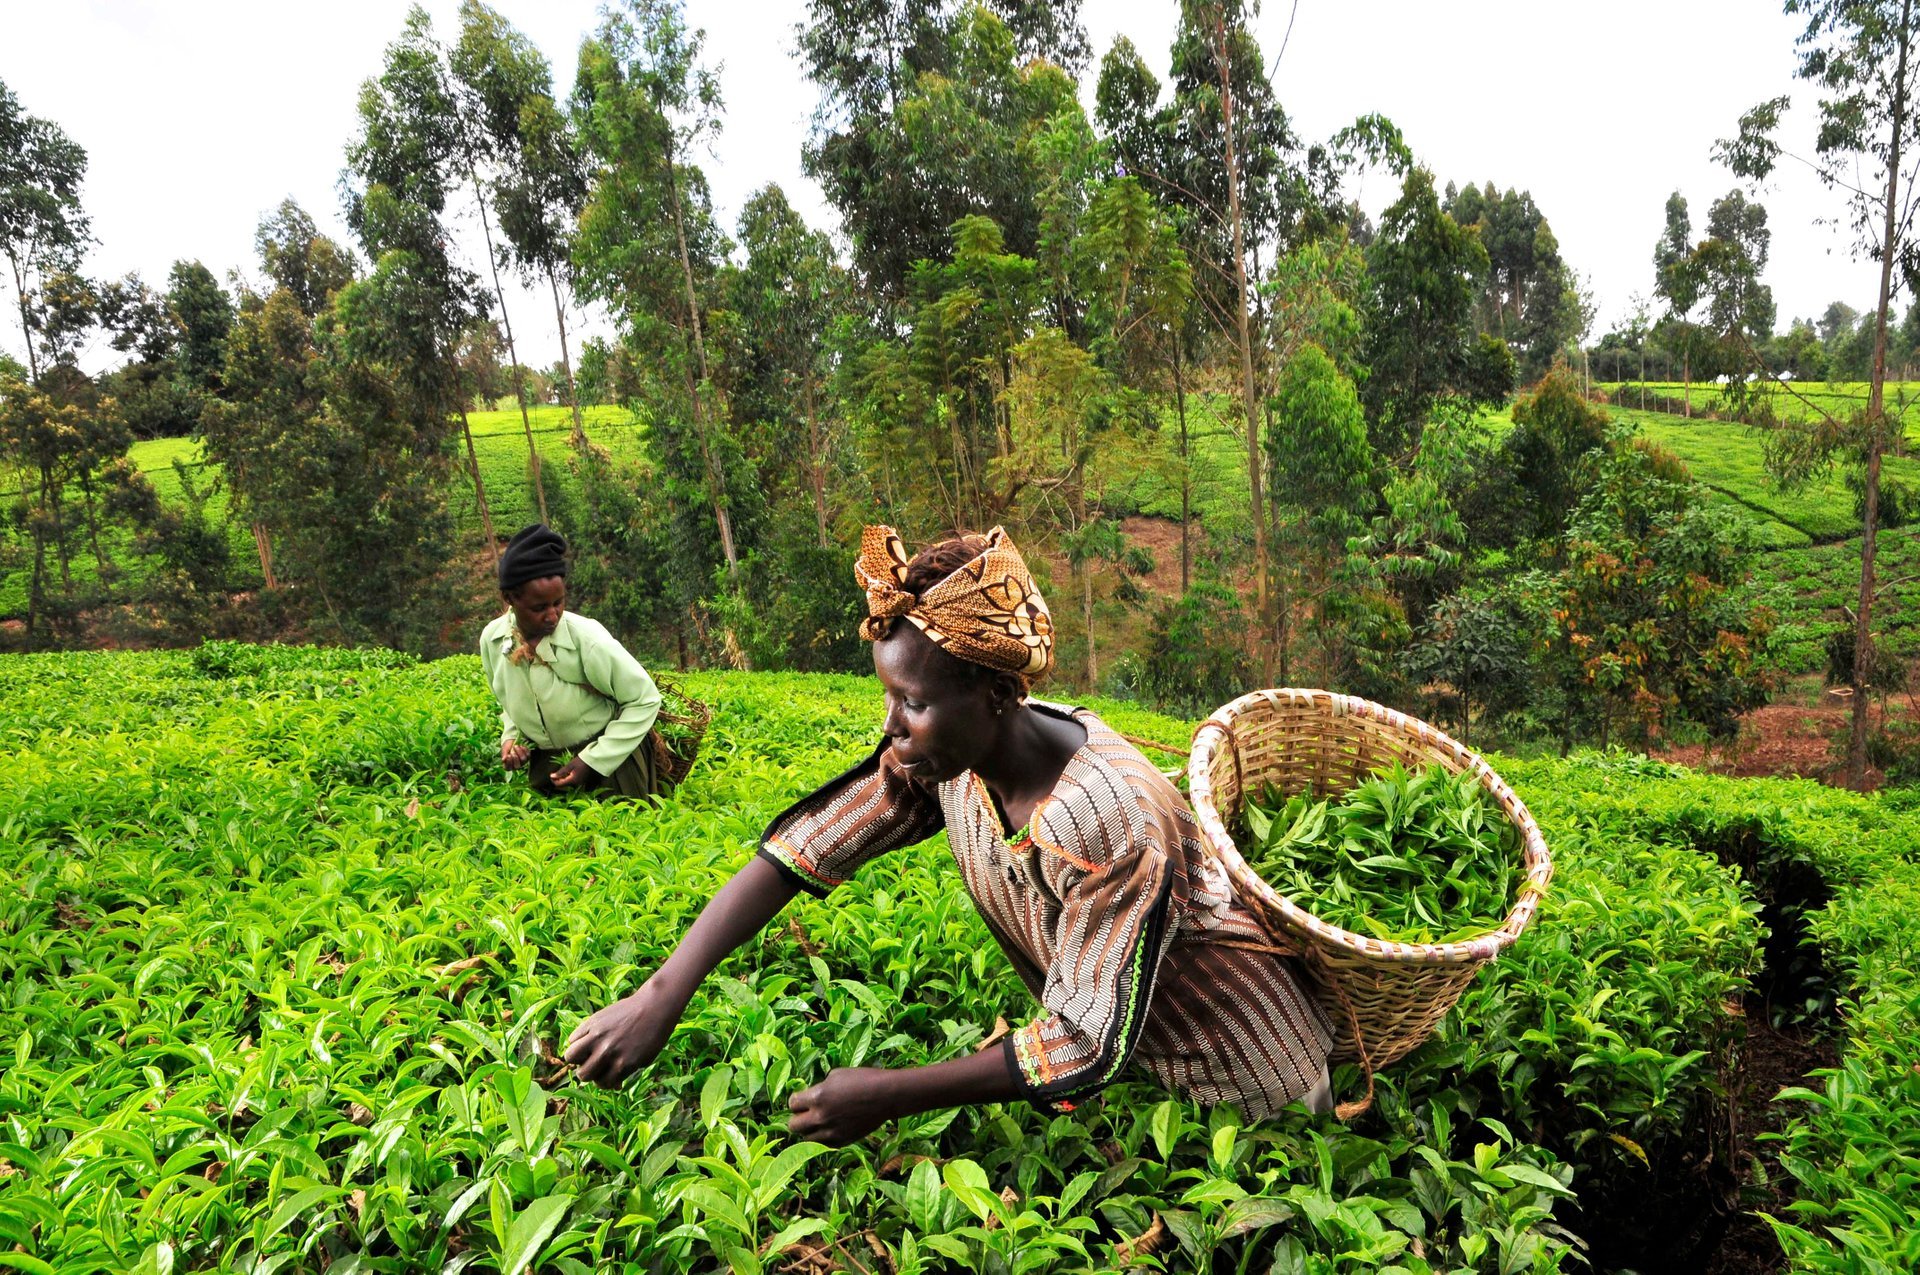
column 588, row 685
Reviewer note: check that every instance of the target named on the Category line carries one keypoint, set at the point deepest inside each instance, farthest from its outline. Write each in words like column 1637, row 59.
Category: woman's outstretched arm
column 630, row 1033
column 854, row 1101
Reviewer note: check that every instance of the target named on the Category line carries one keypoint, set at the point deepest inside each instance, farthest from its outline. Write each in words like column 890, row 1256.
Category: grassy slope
column 499, row 443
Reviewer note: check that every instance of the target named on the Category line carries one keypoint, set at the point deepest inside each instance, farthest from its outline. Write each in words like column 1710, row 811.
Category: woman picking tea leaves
column 1084, row 862
column 565, row 685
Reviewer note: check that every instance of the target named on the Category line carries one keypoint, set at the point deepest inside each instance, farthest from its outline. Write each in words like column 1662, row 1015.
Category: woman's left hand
column 845, row 1107
column 574, row 773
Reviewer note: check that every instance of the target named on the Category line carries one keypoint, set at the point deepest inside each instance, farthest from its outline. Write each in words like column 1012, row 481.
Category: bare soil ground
column 1802, row 734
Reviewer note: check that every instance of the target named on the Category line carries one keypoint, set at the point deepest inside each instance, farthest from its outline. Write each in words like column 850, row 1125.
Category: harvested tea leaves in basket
column 1425, row 857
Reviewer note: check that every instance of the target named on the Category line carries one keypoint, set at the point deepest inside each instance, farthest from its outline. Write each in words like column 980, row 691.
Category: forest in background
column 1371, row 445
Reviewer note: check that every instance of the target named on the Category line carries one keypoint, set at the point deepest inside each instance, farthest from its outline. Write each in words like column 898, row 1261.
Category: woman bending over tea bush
column 1084, row 861
column 565, row 684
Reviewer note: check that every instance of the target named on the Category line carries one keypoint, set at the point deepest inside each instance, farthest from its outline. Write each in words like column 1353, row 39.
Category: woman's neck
column 1033, row 752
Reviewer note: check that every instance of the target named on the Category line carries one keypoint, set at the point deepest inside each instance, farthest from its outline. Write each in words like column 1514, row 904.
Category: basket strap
column 1171, row 749
column 1327, row 974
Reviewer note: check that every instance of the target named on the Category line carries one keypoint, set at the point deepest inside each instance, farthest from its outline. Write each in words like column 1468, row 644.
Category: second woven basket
column 1383, row 997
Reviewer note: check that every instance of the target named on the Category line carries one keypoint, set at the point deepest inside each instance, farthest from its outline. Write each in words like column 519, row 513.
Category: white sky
column 199, row 116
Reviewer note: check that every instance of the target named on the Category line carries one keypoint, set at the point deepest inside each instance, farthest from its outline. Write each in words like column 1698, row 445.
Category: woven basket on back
column 1384, row 997
column 673, row 759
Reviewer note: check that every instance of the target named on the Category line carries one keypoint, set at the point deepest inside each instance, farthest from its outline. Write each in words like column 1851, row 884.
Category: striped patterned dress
column 1114, row 919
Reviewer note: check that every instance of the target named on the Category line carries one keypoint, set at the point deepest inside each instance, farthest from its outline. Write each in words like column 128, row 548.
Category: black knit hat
column 534, row 554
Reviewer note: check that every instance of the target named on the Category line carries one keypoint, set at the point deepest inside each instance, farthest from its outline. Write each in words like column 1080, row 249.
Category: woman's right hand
column 626, row 1035
column 513, row 754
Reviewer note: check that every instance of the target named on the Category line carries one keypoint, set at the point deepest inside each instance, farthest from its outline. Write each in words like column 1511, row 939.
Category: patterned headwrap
column 987, row 612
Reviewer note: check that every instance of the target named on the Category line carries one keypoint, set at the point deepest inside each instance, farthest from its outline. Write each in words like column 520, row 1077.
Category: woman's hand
column 845, row 1107
column 514, row 754
column 626, row 1035
column 575, row 773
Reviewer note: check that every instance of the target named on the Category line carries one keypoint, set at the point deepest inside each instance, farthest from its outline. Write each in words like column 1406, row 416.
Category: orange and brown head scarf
column 987, row 612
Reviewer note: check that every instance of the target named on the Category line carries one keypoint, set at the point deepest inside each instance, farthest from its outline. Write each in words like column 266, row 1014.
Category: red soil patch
column 1782, row 740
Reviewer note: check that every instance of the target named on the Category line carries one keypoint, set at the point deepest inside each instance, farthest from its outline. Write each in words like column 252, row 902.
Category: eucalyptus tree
column 785, row 298
column 1729, row 263
column 1863, row 59
column 520, row 160
column 1421, row 346
column 1528, row 295
column 647, row 245
column 901, row 82
column 539, row 197
column 310, row 269
column 43, row 228
column 296, row 257
column 1677, row 283
column 412, row 146
column 1220, row 155
column 202, row 314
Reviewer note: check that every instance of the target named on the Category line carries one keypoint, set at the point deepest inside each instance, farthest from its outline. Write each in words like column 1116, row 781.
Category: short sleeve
column 1114, row 930
column 822, row 839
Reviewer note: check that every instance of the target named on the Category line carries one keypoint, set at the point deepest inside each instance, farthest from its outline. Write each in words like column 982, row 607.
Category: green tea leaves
column 1418, row 858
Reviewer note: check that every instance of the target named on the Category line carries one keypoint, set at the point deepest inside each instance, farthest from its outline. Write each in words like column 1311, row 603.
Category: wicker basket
column 1384, row 998
column 673, row 762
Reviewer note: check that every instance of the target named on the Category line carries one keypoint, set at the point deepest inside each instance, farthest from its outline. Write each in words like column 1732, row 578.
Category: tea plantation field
column 287, row 961
column 1794, row 401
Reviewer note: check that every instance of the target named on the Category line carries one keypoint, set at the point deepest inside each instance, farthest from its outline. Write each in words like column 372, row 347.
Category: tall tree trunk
column 264, row 545
column 479, row 488
column 1186, row 465
column 93, row 526
column 1086, row 615
column 817, row 461
column 26, row 318
column 37, row 588
column 716, row 476
column 1686, row 383
column 1876, row 423
column 579, row 439
column 1245, row 344
column 53, row 498
column 513, row 356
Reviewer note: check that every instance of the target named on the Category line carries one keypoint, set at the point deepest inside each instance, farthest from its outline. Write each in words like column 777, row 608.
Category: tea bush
column 289, row 960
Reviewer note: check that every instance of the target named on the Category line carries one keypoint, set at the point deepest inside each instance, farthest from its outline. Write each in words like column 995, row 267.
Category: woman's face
column 940, row 716
column 538, row 605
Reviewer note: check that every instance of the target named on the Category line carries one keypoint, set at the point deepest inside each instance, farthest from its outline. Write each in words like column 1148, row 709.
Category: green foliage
column 301, row 260
column 1644, row 629
column 1195, row 661
column 43, row 229
column 1530, row 485
column 323, row 443
column 1421, row 346
column 68, row 458
column 900, row 81
column 1475, row 652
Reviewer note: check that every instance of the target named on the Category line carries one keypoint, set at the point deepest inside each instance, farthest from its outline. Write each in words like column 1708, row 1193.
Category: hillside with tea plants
column 290, row 961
